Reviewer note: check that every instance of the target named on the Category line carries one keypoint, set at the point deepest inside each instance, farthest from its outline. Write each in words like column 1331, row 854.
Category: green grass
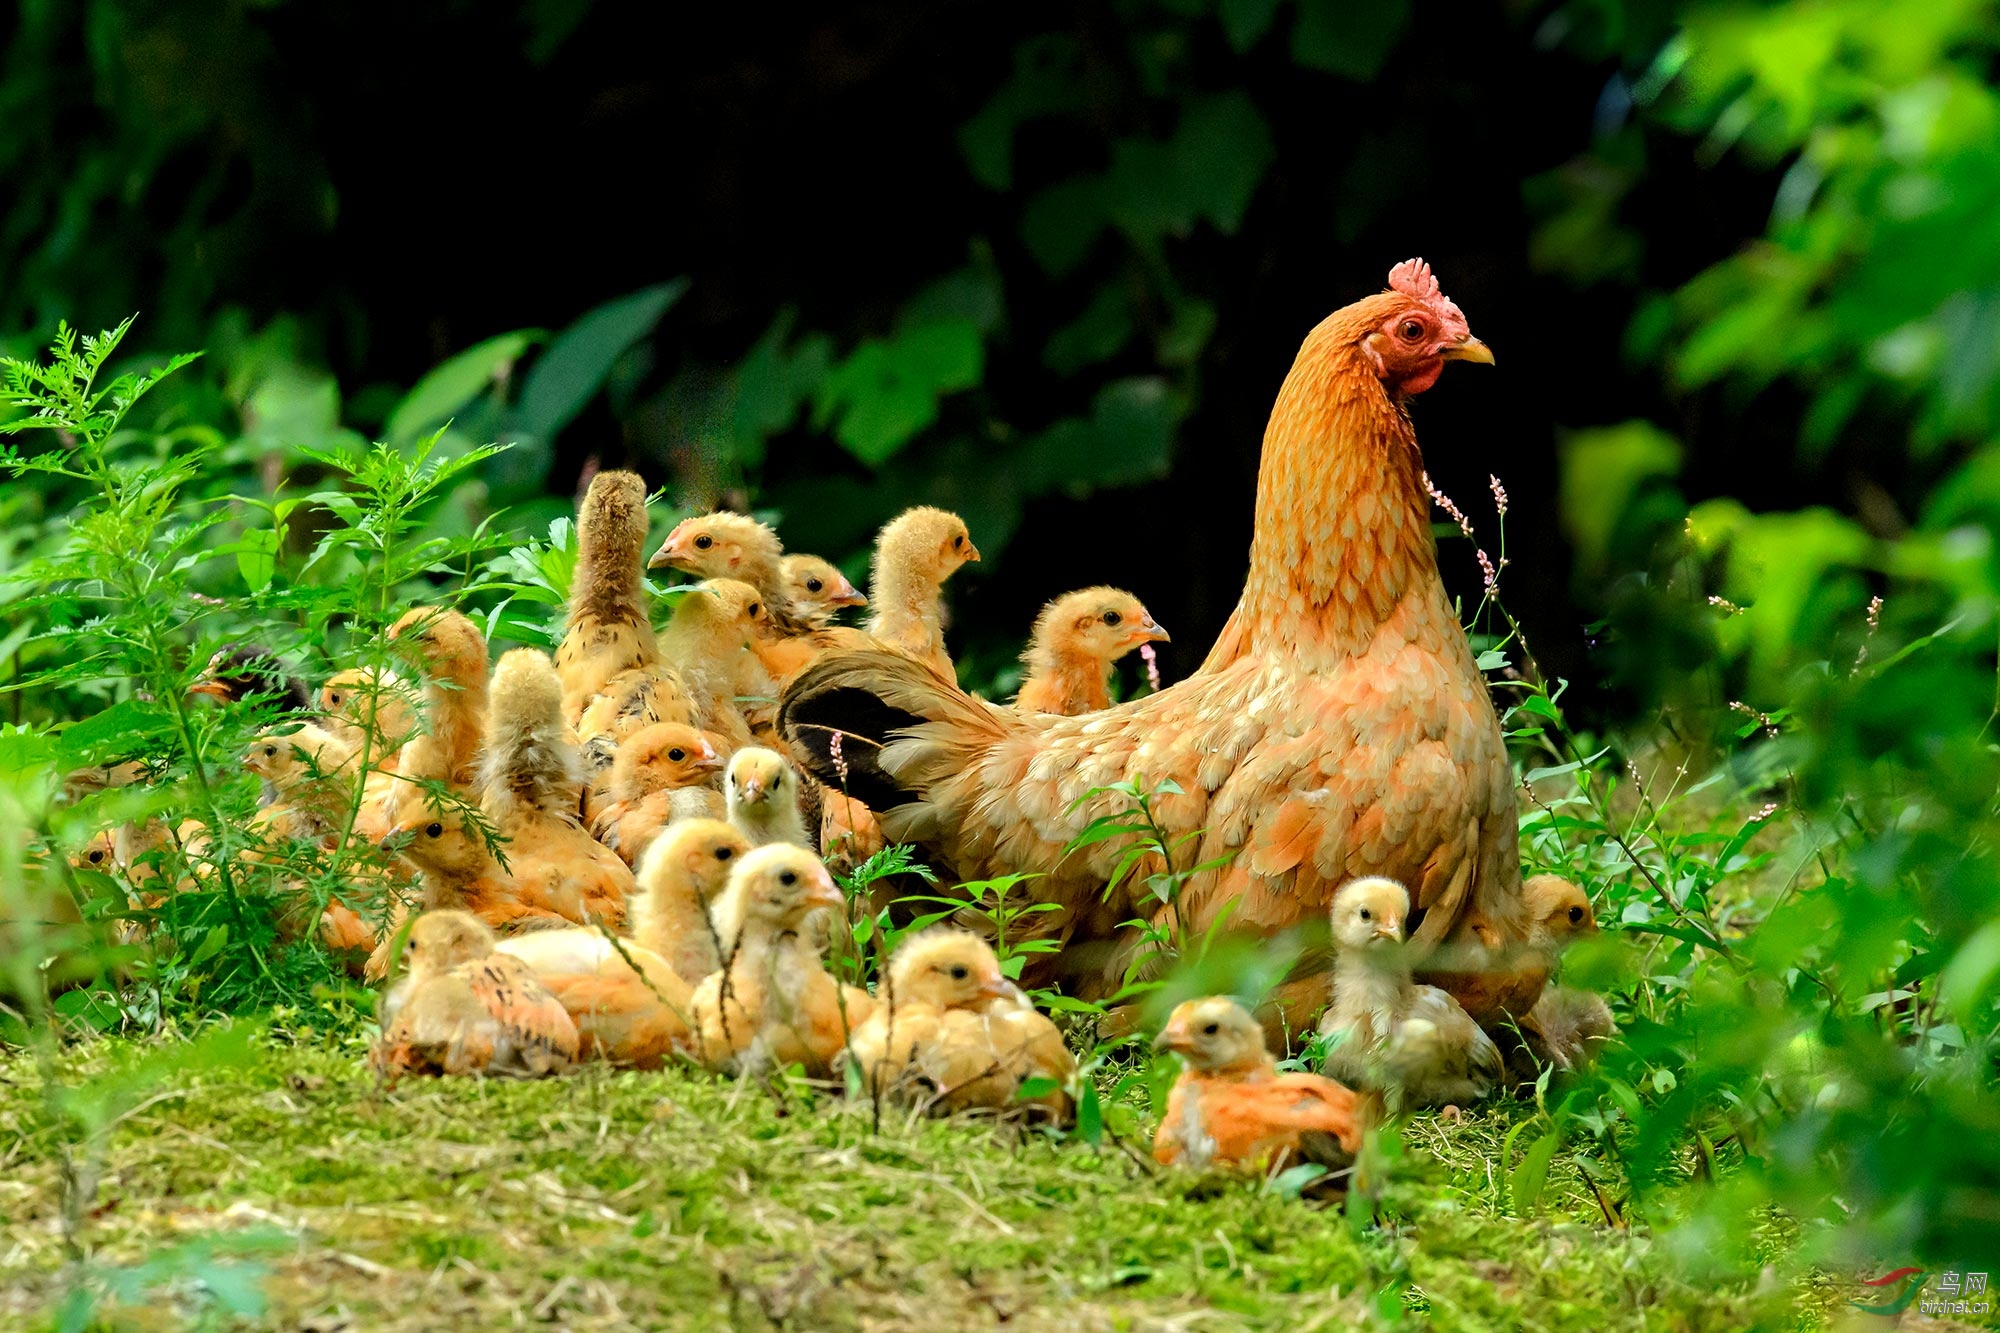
column 677, row 1200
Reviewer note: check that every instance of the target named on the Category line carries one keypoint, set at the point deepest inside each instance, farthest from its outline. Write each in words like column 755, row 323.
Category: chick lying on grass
column 1231, row 1107
column 950, row 1032
column 629, row 1006
column 1412, row 1044
column 463, row 1009
column 773, row 1003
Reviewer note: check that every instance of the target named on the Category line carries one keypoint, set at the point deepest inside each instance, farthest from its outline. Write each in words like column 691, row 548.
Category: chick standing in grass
column 463, row 1009
column 950, row 1031
column 681, row 878
column 1567, row 1027
column 914, row 554
column 817, row 590
column 761, row 790
column 1413, row 1044
column 530, row 789
column 1076, row 640
column 1231, row 1106
column 659, row 776
column 608, row 630
column 308, row 778
column 371, row 709
column 773, row 1004
column 452, row 654
column 252, row 671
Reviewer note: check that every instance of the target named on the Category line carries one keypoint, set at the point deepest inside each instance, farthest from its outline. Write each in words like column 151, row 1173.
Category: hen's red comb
column 1414, row 279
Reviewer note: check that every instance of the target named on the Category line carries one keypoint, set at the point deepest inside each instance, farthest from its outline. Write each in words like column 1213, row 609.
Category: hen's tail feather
column 901, row 727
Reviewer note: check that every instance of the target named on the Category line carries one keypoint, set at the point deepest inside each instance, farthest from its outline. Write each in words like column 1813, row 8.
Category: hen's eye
column 1412, row 330
column 814, row 585
column 1112, row 618
column 703, row 542
column 1212, row 1029
column 1576, row 914
column 724, row 853
column 787, row 877
column 434, row 831
column 677, row 754
column 958, row 973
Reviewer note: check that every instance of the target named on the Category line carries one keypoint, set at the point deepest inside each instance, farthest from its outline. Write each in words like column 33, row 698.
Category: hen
column 1339, row 726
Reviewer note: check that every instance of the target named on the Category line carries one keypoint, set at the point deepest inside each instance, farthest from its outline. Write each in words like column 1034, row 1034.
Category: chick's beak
column 1149, row 630
column 1470, row 350
column 663, row 556
column 752, row 790
column 1173, row 1037
column 709, row 760
column 971, row 552
column 825, row 894
column 998, row 988
column 847, row 595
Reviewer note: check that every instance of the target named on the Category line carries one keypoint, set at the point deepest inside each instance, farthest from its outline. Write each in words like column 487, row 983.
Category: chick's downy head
column 695, row 853
column 817, row 588
column 1214, row 1034
column 442, row 940
column 366, row 697
column 922, row 545
column 778, row 886
column 719, row 545
column 1099, row 623
column 949, row 968
column 1557, row 906
column 661, row 757
column 759, row 777
column 1370, row 913
column 283, row 756
column 444, row 643
column 437, row 840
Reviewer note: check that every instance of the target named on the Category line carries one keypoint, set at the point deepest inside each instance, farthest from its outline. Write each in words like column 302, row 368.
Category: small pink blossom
column 206, row 600
column 1499, row 494
column 839, row 760
column 1445, row 502
column 1152, row 661
column 1766, row 812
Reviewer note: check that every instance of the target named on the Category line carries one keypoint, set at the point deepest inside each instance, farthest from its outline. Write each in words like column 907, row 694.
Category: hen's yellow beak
column 1470, row 350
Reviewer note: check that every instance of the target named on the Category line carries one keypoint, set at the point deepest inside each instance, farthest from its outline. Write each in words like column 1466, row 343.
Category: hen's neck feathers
column 1342, row 531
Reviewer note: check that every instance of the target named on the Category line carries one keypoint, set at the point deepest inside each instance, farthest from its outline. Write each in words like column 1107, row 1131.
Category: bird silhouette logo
column 1912, row 1280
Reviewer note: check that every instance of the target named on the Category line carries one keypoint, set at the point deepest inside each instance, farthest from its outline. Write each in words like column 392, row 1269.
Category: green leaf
column 439, row 395
column 1089, row 1115
column 1532, row 1174
column 118, row 732
column 577, row 363
column 257, row 558
column 888, row 389
column 1351, row 40
column 1290, row 1182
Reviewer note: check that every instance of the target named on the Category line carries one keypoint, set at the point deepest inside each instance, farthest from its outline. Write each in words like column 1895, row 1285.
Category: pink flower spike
column 1152, row 662
column 1444, row 502
column 1499, row 494
column 839, row 759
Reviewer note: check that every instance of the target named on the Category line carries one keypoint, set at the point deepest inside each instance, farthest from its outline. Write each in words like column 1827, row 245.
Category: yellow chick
column 914, row 554
column 373, row 710
column 816, row 590
column 773, row 1004
column 681, row 878
column 1411, row 1043
column 462, row 1009
column 1567, row 1027
column 761, row 793
column 659, row 776
column 629, row 1006
column 1076, row 640
column 1231, row 1107
column 308, row 776
column 608, row 630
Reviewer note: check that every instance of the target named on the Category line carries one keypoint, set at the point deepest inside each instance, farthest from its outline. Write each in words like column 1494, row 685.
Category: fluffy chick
column 458, row 871
column 682, row 877
column 463, row 1009
column 914, row 554
column 725, row 545
column 708, row 643
column 529, row 789
column 761, row 793
column 950, row 1032
column 373, row 710
column 816, row 590
column 1566, row 1027
column 608, row 629
column 1076, row 639
column 629, row 1006
column 1411, row 1043
column 308, row 776
column 773, row 1004
column 1231, row 1106
column 659, row 776
column 452, row 654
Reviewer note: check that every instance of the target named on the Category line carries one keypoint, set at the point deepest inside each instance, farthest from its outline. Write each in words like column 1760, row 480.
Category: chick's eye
column 703, row 542
column 434, row 831
column 677, row 754
column 1412, row 330
column 788, row 877
column 814, row 585
column 333, row 699
column 270, row 750
column 958, row 973
column 1366, row 915
column 1212, row 1029
column 724, row 853
column 1576, row 914
column 957, row 542
column 96, row 856
column 753, row 608
column 1112, row 618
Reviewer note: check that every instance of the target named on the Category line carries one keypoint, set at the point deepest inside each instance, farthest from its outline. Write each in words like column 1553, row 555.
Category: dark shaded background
column 411, row 179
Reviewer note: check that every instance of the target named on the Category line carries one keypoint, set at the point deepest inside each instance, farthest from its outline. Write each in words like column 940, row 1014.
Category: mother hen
column 1338, row 728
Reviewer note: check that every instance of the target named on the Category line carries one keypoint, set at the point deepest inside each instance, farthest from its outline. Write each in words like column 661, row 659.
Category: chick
column 1497, row 978
column 252, row 672
column 1075, row 641
column 1566, row 1027
column 463, row 1009
column 949, row 1031
column 632, row 701
column 373, row 710
column 723, row 545
column 682, row 878
column 608, row 630
column 708, row 644
column 1411, row 1043
column 1231, row 1106
column 629, row 1006
column 530, row 788
column 761, row 790
column 458, row 871
column 658, row 777
column 308, row 775
column 773, row 1003
column 816, row 590
column 452, row 655
column 914, row 554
